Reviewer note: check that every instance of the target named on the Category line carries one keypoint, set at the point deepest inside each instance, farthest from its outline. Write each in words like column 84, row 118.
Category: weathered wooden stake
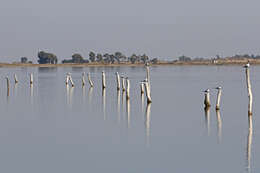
column 90, row 81
column 67, row 79
column 103, row 80
column 123, row 83
column 148, row 92
column 127, row 89
column 7, row 82
column 206, row 99
column 118, row 81
column 218, row 98
column 142, row 87
column 71, row 81
column 15, row 79
column 83, row 79
column 31, row 79
column 249, row 90
column 148, row 74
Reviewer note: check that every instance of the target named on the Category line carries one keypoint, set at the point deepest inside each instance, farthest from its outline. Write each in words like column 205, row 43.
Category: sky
column 162, row 29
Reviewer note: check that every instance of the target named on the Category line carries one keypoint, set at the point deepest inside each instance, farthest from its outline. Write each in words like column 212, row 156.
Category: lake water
column 51, row 128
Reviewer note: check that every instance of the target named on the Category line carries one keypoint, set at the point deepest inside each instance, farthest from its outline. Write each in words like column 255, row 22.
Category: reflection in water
column 31, row 93
column 90, row 91
column 68, row 94
column 15, row 90
column 128, row 112
column 118, row 106
column 219, row 127
column 123, row 101
column 83, row 93
column 249, row 143
column 71, row 93
column 47, row 69
column 207, row 119
column 7, row 95
column 142, row 101
column 148, row 123
column 104, row 102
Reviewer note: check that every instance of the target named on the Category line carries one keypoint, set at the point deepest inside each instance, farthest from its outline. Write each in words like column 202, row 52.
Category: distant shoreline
column 223, row 62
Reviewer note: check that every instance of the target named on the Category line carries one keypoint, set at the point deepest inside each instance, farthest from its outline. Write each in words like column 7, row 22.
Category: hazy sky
column 159, row 28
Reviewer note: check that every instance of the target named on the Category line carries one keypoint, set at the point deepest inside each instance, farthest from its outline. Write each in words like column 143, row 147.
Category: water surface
column 51, row 128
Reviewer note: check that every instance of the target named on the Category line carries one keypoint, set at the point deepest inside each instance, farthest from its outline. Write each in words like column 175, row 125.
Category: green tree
column 99, row 57
column 77, row 58
column 47, row 58
column 92, row 56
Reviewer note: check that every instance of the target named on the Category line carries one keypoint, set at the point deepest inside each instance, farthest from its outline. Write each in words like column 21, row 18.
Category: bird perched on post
column 247, row 65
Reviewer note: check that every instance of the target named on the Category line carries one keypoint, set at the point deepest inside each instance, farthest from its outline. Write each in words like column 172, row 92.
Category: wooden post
column 71, row 81
column 127, row 89
column 206, row 99
column 148, row 74
column 67, row 79
column 7, row 85
column 83, row 79
column 15, row 79
column 142, row 88
column 31, row 79
column 7, row 82
column 103, row 80
column 249, row 90
column 118, row 81
column 123, row 83
column 218, row 98
column 148, row 92
column 90, row 81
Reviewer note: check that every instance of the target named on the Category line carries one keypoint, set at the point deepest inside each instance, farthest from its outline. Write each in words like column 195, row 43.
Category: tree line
column 117, row 57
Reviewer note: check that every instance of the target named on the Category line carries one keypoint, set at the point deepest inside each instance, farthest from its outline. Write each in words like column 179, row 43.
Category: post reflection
column 15, row 89
column 219, row 126
column 7, row 95
column 68, row 94
column 148, row 123
column 207, row 120
column 104, row 102
column 90, row 93
column 123, row 101
column 118, row 106
column 142, row 101
column 71, row 93
column 128, row 112
column 31, row 93
column 83, row 93
column 249, row 143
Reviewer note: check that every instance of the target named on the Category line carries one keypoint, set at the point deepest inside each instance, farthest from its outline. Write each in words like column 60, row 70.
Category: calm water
column 51, row 128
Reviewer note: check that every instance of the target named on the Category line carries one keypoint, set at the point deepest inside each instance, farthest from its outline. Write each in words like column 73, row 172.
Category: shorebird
column 218, row 88
column 247, row 65
column 206, row 91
